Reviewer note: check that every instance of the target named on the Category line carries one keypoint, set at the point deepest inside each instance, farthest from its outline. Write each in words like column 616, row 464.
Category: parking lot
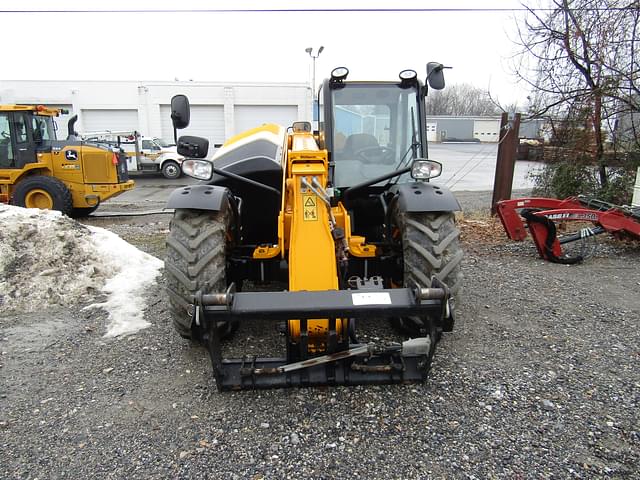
column 150, row 190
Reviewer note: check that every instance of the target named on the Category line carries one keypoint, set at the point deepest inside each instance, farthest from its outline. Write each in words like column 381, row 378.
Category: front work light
column 200, row 169
column 299, row 127
column 423, row 169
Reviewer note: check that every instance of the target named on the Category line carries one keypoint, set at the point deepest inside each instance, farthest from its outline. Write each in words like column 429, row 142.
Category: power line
column 484, row 156
column 322, row 10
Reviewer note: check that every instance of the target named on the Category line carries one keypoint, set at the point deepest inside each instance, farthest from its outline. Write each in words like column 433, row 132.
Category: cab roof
column 38, row 109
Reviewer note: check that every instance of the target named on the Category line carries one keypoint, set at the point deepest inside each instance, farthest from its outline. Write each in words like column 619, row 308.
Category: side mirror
column 180, row 112
column 193, row 147
column 435, row 75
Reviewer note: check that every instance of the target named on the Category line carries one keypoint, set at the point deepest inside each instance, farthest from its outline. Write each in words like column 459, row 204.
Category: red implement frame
column 541, row 213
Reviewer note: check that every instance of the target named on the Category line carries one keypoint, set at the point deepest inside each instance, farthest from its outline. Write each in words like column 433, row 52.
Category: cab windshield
column 376, row 131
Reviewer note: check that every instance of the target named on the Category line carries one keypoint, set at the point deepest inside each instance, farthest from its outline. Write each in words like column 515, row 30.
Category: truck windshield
column 376, row 131
column 43, row 129
column 163, row 143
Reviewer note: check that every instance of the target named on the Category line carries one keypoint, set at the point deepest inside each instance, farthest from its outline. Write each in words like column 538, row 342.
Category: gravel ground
column 540, row 379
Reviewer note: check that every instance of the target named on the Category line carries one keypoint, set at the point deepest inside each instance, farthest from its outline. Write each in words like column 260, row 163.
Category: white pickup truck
column 144, row 154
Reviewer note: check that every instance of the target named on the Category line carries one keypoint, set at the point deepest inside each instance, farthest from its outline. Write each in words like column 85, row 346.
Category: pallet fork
column 346, row 361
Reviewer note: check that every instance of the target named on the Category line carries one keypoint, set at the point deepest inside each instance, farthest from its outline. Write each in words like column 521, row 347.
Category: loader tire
column 82, row 211
column 430, row 248
column 40, row 191
column 196, row 261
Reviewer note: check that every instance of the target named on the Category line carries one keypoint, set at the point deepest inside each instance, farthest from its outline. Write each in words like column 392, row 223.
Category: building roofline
column 165, row 82
column 524, row 118
column 464, row 117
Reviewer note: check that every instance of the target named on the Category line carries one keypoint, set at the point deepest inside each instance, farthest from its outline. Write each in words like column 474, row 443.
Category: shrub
column 566, row 179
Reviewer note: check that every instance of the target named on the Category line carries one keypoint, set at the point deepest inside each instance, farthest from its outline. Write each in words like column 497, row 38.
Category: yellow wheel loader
column 39, row 171
column 347, row 216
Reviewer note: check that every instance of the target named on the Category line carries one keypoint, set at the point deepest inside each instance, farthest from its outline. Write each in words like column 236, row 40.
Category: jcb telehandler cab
column 39, row 171
column 347, row 217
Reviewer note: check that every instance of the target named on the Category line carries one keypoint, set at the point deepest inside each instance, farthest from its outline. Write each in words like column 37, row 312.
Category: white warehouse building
column 219, row 110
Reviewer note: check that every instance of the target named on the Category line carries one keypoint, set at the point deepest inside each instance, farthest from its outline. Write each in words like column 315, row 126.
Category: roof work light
column 339, row 74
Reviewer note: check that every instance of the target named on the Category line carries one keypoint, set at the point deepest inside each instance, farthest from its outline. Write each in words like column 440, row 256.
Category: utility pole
column 309, row 50
column 506, row 161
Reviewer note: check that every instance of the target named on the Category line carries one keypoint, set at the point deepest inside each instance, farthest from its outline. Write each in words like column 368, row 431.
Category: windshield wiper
column 412, row 148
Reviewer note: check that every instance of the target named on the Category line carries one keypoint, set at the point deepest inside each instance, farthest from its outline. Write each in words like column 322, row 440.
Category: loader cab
column 371, row 128
column 22, row 134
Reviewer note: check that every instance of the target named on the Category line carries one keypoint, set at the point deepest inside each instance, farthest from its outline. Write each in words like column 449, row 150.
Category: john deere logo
column 71, row 155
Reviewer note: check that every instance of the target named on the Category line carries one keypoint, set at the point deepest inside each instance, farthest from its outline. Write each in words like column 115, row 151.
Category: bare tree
column 580, row 58
column 460, row 99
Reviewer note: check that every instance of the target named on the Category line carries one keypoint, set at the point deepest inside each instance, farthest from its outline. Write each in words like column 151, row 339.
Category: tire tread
column 195, row 261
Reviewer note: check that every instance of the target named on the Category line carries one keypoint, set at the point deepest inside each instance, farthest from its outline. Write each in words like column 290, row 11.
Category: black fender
column 200, row 197
column 425, row 197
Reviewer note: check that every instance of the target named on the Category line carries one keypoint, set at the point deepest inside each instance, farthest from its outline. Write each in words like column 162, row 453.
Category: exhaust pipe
column 72, row 135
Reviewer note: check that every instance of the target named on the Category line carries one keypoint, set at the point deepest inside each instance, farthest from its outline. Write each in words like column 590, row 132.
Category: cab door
column 22, row 139
column 6, row 144
column 149, row 152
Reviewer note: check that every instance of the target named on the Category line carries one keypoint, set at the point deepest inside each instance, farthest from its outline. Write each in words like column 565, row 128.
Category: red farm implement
column 541, row 216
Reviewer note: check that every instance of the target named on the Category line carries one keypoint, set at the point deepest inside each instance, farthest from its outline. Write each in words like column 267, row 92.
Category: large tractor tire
column 196, row 261
column 430, row 248
column 39, row 191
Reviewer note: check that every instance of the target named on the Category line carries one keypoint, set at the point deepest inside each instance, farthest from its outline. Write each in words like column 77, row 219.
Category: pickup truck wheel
column 196, row 261
column 171, row 170
column 430, row 248
column 39, row 191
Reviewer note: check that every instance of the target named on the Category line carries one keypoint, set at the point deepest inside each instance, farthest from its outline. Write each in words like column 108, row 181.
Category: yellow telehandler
column 39, row 171
column 346, row 216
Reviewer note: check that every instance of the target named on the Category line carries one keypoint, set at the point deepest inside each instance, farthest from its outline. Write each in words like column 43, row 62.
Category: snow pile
column 47, row 259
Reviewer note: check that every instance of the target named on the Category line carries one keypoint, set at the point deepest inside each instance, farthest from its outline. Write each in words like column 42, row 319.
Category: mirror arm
column 240, row 178
column 373, row 181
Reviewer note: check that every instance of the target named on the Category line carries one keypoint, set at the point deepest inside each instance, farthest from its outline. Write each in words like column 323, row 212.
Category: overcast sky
column 260, row 46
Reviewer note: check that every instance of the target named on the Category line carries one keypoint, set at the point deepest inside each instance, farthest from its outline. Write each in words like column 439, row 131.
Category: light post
column 310, row 52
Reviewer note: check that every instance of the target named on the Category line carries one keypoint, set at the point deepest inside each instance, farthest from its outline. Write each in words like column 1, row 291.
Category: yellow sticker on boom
column 310, row 208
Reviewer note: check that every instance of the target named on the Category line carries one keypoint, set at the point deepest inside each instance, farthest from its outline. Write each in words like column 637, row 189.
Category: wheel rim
column 38, row 198
column 171, row 171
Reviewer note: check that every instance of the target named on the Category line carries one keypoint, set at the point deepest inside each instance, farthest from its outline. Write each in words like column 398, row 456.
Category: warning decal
column 310, row 208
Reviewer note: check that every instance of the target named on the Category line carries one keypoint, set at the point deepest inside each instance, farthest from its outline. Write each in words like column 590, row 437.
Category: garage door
column 61, row 121
column 251, row 116
column 206, row 121
column 486, row 130
column 113, row 120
